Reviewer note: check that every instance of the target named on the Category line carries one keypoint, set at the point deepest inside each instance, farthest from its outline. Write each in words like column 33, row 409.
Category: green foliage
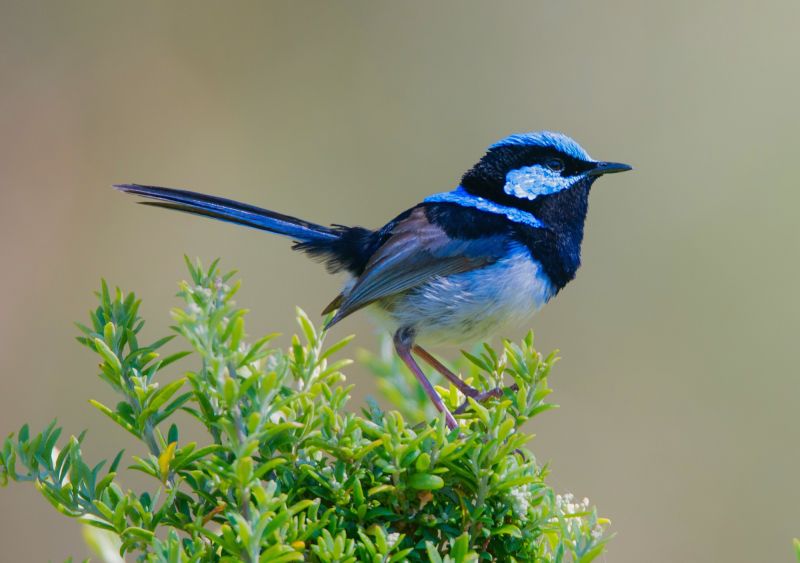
column 286, row 472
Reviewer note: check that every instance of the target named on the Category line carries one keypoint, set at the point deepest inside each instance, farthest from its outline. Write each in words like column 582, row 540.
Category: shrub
column 286, row 473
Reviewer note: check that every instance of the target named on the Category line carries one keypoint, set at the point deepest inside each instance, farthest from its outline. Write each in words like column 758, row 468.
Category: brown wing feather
column 333, row 305
column 415, row 252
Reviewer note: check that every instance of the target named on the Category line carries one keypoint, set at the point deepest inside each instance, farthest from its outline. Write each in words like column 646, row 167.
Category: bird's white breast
column 462, row 308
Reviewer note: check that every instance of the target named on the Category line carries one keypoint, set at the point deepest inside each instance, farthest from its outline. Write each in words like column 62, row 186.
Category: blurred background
column 679, row 383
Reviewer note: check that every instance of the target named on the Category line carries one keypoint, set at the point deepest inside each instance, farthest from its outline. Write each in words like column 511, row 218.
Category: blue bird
column 457, row 266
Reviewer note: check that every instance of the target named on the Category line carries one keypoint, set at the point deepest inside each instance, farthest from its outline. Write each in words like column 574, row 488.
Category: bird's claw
column 479, row 397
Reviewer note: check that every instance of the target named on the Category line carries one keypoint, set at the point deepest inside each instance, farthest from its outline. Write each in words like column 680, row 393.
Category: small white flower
column 573, row 525
column 392, row 539
column 520, row 501
column 204, row 291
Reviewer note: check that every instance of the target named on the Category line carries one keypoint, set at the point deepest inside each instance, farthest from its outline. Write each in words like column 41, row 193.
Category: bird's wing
column 415, row 252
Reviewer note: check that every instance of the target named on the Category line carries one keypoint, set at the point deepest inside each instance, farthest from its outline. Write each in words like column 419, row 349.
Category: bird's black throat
column 558, row 246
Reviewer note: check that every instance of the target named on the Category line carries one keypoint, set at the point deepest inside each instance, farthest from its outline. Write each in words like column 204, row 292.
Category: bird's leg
column 403, row 343
column 467, row 390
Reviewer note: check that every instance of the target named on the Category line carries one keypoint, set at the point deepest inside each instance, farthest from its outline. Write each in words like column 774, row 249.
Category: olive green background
column 678, row 385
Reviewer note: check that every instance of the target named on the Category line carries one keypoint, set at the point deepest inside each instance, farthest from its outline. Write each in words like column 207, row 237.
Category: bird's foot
column 479, row 397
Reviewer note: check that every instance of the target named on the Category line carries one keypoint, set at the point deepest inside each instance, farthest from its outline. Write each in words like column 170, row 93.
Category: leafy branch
column 287, row 473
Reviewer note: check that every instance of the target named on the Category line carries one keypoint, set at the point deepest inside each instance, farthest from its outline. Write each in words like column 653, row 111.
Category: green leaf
column 172, row 358
column 276, row 523
column 425, row 482
column 111, row 359
column 115, row 463
column 433, row 555
column 332, row 349
column 137, row 532
column 508, row 530
column 114, row 416
column 161, row 396
column 380, row 489
column 172, row 434
column 24, row 434
column 103, row 483
column 460, row 548
column 423, row 462
column 592, row 554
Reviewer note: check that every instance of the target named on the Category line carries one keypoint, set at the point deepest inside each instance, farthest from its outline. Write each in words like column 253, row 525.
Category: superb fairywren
column 458, row 265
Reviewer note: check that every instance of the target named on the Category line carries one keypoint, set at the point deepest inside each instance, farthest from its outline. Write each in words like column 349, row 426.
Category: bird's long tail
column 233, row 212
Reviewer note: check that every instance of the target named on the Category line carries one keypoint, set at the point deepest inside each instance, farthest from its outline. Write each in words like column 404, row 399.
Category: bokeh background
column 679, row 383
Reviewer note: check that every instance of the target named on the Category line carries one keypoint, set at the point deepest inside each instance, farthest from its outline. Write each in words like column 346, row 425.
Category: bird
column 458, row 266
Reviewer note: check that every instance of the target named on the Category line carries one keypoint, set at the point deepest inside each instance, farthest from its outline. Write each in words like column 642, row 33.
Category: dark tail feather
column 233, row 212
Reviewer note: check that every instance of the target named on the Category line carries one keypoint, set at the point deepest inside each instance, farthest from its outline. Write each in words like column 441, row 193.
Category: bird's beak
column 609, row 168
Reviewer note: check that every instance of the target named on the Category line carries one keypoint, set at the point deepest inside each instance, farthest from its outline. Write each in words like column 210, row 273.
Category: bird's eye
column 555, row 164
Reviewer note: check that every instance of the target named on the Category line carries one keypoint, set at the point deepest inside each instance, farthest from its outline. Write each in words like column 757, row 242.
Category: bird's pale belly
column 466, row 307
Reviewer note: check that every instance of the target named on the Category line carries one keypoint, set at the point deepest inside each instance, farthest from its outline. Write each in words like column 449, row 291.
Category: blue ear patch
column 530, row 182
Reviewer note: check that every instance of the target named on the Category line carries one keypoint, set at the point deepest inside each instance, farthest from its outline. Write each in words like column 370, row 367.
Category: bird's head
column 524, row 170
